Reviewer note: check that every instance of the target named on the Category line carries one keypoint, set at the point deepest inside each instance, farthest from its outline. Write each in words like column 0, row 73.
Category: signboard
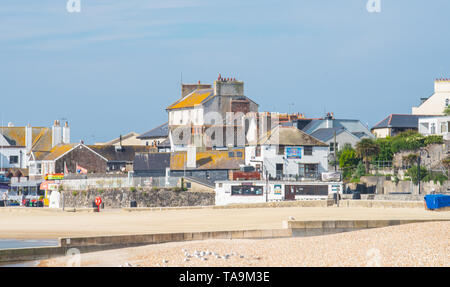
column 331, row 176
column 53, row 186
column 293, row 152
column 53, row 176
column 44, row 185
column 277, row 189
column 335, row 188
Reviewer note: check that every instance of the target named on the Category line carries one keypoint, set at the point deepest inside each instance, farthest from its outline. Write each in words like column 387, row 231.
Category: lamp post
column 418, row 166
column 266, row 173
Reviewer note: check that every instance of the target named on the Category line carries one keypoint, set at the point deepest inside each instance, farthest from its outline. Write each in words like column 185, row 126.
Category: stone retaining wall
column 121, row 198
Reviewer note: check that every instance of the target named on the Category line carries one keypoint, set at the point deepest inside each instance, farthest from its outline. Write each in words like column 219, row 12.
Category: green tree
column 367, row 149
column 408, row 140
column 360, row 170
column 446, row 111
column 414, row 174
column 348, row 161
column 385, row 153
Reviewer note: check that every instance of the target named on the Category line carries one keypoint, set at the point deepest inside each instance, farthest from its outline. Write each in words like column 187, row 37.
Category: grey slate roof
column 327, row 133
column 164, row 144
column 158, row 132
column 400, row 121
column 126, row 154
column 151, row 161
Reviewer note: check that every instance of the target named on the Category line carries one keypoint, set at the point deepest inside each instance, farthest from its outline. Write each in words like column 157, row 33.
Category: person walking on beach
column 4, row 198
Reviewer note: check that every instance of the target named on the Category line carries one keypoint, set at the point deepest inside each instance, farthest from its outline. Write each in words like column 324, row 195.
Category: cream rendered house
column 436, row 103
column 435, row 126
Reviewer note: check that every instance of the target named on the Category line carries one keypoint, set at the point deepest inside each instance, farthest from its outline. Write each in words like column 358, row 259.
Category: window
column 239, row 154
column 246, row 190
column 308, row 189
column 13, row 159
column 332, row 147
column 308, row 150
column 443, row 127
column 308, row 170
column 258, row 151
column 433, row 129
column 231, row 154
column 280, row 150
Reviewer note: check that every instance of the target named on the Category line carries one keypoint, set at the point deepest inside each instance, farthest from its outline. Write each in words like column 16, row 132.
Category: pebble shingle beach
column 418, row 244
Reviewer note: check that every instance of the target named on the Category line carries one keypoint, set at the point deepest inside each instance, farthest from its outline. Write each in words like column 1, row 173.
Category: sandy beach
column 418, row 244
column 33, row 223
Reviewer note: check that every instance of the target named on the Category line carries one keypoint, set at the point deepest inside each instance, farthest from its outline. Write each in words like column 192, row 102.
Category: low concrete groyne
column 324, row 227
column 382, row 204
column 289, row 229
column 98, row 243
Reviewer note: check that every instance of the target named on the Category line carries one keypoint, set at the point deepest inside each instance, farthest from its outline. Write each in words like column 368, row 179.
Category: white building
column 200, row 116
column 287, row 152
column 435, row 126
column 20, row 145
column 229, row 192
column 436, row 103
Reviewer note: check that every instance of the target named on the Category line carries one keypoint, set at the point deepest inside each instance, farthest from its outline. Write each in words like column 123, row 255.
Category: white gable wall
column 7, row 152
column 290, row 166
column 436, row 104
column 343, row 138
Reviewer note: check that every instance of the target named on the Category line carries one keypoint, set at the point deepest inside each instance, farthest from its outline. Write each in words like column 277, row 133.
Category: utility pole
column 334, row 147
column 267, row 186
column 335, row 168
column 418, row 171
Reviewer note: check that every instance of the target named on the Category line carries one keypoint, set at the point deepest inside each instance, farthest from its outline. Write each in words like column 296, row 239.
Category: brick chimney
column 442, row 85
column 186, row 89
column 228, row 87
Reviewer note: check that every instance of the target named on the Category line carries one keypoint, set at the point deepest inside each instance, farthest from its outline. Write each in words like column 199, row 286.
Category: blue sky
column 114, row 67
